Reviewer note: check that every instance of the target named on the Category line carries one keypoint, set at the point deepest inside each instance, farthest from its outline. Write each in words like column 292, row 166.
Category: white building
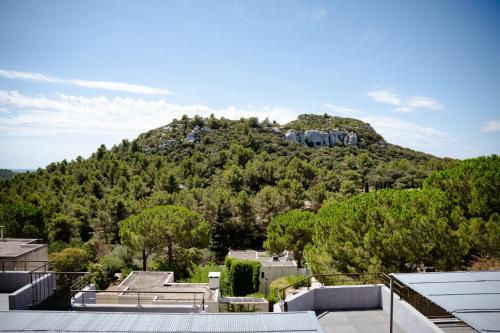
column 272, row 267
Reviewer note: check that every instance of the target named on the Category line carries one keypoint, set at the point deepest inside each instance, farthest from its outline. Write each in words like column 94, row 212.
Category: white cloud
column 404, row 104
column 411, row 135
column 41, row 115
column 342, row 110
column 384, row 96
column 105, row 85
column 491, row 126
column 318, row 13
column 423, row 102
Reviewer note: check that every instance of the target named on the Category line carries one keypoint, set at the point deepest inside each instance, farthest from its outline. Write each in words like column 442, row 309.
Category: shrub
column 242, row 276
column 70, row 259
column 99, row 275
column 111, row 264
column 199, row 274
column 283, row 282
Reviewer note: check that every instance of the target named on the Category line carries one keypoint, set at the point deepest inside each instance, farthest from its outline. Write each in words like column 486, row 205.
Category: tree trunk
column 170, row 254
column 144, row 259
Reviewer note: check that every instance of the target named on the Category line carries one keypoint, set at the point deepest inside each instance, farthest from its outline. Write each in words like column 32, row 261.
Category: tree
column 268, row 203
column 290, row 231
column 172, row 228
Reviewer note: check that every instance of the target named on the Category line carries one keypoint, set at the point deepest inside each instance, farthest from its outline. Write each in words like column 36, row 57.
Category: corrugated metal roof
column 473, row 297
column 45, row 321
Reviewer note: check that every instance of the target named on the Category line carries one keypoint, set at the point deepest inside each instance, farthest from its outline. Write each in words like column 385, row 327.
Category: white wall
column 406, row 315
column 22, row 298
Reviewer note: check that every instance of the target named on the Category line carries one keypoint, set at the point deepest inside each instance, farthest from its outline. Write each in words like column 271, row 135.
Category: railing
column 42, row 283
column 422, row 304
column 21, row 265
column 146, row 300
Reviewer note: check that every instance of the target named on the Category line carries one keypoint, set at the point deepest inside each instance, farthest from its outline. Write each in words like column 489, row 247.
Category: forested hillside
column 237, row 175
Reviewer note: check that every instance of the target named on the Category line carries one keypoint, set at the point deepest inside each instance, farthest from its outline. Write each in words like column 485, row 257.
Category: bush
column 111, row 264
column 126, row 271
column 242, row 276
column 199, row 274
column 70, row 259
column 99, row 275
column 283, row 282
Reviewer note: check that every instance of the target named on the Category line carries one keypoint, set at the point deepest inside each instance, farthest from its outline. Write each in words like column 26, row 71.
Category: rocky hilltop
column 316, row 138
column 311, row 131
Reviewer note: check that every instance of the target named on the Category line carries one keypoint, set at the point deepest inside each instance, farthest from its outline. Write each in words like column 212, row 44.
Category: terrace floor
column 373, row 321
column 4, row 301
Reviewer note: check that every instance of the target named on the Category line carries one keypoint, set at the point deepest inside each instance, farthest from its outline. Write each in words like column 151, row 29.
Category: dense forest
column 229, row 180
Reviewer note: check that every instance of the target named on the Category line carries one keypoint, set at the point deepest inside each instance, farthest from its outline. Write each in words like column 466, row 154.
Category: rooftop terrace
column 11, row 248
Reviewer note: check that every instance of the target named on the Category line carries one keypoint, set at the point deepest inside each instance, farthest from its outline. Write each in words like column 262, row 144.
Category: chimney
column 214, row 280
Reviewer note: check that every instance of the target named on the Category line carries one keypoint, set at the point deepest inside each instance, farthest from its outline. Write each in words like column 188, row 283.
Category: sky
column 77, row 74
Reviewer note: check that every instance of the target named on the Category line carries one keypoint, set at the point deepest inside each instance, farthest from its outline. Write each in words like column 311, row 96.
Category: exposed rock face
column 337, row 137
column 167, row 144
column 294, row 136
column 316, row 138
column 194, row 136
column 351, row 139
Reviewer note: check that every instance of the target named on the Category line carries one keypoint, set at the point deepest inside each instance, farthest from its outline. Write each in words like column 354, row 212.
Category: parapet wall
column 360, row 297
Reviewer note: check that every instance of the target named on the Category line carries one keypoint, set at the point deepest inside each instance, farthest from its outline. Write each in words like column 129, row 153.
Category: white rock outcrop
column 317, row 138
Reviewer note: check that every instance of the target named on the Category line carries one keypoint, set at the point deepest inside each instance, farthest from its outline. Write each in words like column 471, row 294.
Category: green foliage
column 290, row 231
column 199, row 274
column 449, row 222
column 238, row 176
column 284, row 282
column 170, row 228
column 242, row 276
column 111, row 264
column 6, row 174
column 70, row 259
column 22, row 219
column 99, row 275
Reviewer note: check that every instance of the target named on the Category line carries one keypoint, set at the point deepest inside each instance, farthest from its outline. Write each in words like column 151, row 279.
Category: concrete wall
column 38, row 252
column 41, row 288
column 272, row 272
column 88, row 296
column 405, row 315
column 336, row 298
column 347, row 297
column 11, row 281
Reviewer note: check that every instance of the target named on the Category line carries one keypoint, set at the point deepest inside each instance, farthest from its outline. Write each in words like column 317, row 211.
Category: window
column 262, row 275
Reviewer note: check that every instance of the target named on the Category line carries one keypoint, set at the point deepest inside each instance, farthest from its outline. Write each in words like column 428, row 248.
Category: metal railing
column 419, row 302
column 20, row 265
column 146, row 300
column 42, row 283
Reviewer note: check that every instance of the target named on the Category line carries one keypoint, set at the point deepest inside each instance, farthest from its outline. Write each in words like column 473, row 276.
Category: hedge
column 242, row 276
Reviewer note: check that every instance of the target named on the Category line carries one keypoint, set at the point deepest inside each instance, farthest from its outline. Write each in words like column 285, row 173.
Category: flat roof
column 11, row 248
column 473, row 297
column 68, row 321
column 146, row 280
column 138, row 281
column 261, row 257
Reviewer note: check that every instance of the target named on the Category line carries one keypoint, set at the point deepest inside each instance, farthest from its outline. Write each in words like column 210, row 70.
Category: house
column 273, row 267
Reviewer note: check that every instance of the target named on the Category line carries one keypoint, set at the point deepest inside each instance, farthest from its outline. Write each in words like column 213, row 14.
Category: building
column 18, row 254
column 152, row 291
column 272, row 267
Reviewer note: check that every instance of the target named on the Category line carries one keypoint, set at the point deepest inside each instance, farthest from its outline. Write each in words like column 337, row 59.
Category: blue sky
column 75, row 74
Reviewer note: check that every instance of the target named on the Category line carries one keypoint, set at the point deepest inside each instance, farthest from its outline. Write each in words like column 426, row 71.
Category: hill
column 237, row 174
